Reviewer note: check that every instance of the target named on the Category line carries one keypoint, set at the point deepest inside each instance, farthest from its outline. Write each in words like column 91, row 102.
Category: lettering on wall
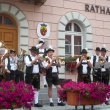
column 97, row 9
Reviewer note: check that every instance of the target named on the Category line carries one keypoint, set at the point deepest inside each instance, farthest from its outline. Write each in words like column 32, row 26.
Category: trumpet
column 87, row 58
column 62, row 60
column 100, row 59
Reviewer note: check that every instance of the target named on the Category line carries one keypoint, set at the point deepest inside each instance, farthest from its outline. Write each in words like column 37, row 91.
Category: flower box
column 74, row 100
column 80, row 93
column 71, row 66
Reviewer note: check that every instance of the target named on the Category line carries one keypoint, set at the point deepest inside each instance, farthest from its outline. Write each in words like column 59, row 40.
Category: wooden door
column 8, row 32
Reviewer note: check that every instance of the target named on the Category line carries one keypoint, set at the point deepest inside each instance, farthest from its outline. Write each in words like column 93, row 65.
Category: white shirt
column 13, row 63
column 103, row 69
column 41, row 50
column 45, row 64
column 28, row 63
column 84, row 66
column 97, row 58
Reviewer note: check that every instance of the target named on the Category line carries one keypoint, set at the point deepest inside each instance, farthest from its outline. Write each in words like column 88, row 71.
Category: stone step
column 46, row 102
column 44, row 96
column 45, row 90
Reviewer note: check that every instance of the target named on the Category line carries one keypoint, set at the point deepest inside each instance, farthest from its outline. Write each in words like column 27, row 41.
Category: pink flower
column 15, row 95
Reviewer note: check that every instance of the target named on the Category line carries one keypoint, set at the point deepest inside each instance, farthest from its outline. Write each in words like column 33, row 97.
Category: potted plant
column 79, row 93
column 70, row 63
column 14, row 95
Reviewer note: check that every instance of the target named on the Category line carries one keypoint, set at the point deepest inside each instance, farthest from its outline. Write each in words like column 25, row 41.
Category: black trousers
column 84, row 78
column 104, row 78
column 1, row 77
column 15, row 75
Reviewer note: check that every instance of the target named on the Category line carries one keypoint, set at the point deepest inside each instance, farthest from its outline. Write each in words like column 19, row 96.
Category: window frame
column 72, row 33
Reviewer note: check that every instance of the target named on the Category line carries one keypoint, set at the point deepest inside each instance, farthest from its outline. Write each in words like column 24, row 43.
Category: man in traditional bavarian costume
column 94, row 59
column 52, row 74
column 42, row 53
column 11, row 68
column 104, row 73
column 84, row 67
column 33, row 73
column 2, row 51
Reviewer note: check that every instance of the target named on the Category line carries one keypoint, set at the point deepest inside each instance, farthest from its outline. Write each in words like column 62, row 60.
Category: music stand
column 98, row 65
column 107, row 65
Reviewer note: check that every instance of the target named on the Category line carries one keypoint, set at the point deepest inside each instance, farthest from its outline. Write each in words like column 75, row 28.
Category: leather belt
column 41, row 53
column 54, row 73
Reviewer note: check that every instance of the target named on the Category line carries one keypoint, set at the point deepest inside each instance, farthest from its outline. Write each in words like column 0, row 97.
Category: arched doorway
column 9, row 31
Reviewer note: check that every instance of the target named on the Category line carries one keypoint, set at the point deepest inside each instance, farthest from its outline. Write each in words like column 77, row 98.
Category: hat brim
column 104, row 50
column 12, row 51
column 83, row 52
column 49, row 50
column 97, row 50
column 33, row 50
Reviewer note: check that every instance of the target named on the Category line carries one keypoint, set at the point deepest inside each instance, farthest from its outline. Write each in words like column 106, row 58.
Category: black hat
column 97, row 49
column 12, row 50
column 84, row 51
column 49, row 49
column 103, row 49
column 33, row 48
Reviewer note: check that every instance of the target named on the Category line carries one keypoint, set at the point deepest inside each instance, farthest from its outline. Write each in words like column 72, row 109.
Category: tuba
column 20, row 62
column 5, row 55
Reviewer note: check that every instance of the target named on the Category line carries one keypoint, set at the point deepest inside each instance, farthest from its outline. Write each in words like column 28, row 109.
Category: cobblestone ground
column 67, row 107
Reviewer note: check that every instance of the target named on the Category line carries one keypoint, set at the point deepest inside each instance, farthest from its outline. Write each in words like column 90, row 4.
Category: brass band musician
column 52, row 78
column 94, row 59
column 33, row 73
column 12, row 71
column 84, row 67
column 42, row 53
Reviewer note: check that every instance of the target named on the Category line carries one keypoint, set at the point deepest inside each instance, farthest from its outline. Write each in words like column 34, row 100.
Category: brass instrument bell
column 2, row 44
column 87, row 58
column 100, row 59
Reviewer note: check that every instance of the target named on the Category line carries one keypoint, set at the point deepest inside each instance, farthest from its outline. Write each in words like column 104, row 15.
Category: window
column 7, row 21
column 73, row 39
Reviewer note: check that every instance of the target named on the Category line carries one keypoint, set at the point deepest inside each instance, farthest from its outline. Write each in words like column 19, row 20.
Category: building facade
column 74, row 24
